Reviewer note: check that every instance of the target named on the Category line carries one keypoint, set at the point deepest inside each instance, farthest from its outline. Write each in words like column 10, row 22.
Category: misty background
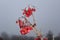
column 47, row 15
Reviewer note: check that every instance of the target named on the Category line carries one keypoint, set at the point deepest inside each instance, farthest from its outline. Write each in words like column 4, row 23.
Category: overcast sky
column 47, row 15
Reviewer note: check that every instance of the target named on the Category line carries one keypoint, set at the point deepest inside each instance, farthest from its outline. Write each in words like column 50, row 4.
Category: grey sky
column 47, row 15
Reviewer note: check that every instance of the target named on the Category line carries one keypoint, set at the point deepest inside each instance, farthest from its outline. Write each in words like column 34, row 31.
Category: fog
column 47, row 15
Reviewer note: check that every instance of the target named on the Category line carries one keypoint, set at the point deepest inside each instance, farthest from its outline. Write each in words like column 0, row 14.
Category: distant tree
column 5, row 36
column 15, row 37
column 57, row 37
column 30, row 38
column 1, row 38
column 20, row 38
column 25, row 38
column 49, row 35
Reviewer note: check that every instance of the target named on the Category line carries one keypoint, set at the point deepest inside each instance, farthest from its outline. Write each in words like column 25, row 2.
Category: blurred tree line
column 49, row 35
